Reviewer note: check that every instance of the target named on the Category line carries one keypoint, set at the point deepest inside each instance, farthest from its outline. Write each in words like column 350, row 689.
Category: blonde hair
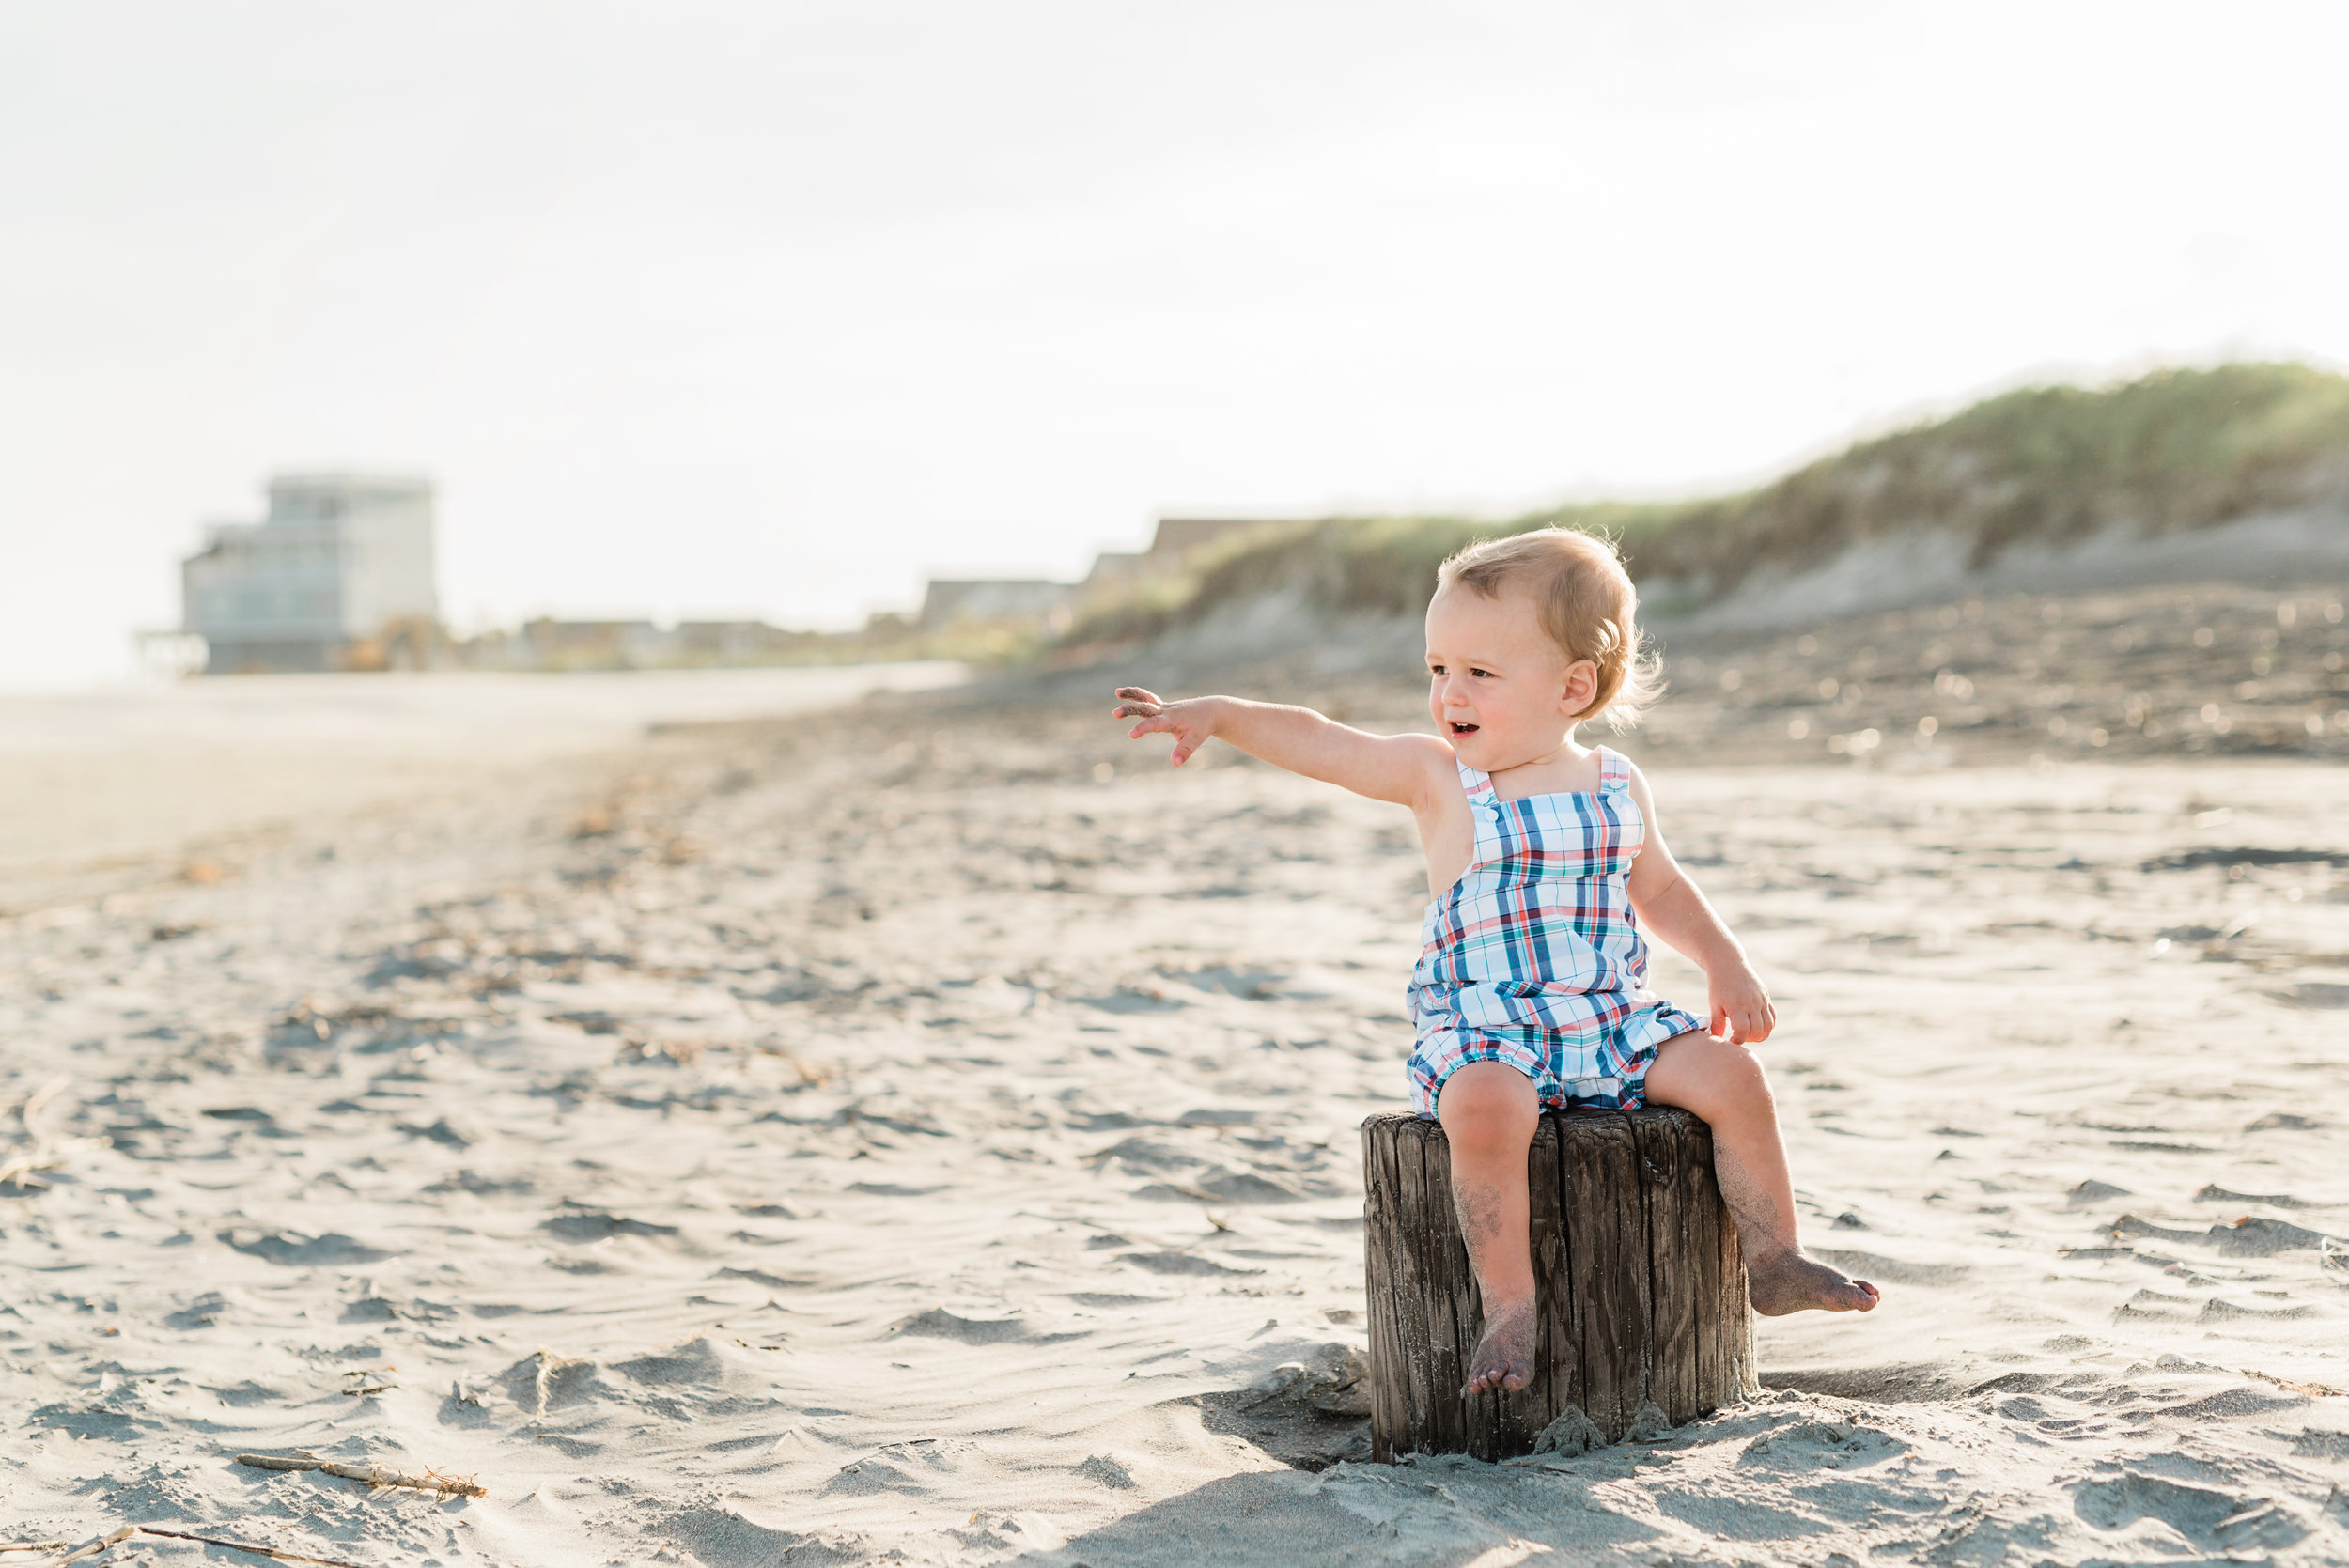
column 1587, row 604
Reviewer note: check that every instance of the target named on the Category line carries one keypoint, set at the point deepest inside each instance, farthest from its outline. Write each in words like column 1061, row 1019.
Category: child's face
column 1499, row 689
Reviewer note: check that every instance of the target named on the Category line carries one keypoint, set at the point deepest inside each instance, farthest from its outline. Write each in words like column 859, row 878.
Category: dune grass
column 2173, row 450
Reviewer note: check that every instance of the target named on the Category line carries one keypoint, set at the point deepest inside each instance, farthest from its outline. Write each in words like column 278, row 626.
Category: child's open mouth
column 1458, row 728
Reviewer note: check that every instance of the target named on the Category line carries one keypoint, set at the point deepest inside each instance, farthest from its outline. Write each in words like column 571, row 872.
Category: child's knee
column 1752, row 1085
column 1742, row 1072
column 1488, row 1105
column 1711, row 1077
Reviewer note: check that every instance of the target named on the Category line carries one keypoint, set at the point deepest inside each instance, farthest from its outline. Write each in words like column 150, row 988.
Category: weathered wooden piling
column 1642, row 1285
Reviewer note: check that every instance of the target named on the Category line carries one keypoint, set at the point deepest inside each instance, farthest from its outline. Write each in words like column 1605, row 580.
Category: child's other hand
column 1190, row 722
column 1741, row 1007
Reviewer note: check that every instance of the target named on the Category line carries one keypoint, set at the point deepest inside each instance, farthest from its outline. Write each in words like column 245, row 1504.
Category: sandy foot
column 1504, row 1356
column 1791, row 1282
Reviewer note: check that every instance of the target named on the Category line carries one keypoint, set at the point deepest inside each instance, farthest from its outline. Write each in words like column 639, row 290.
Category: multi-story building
column 330, row 580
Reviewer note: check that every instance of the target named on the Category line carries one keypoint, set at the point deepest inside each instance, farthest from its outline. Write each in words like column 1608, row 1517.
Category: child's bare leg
column 1723, row 1083
column 1489, row 1112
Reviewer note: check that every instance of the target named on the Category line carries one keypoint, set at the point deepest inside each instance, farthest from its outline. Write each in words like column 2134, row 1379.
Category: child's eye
column 1435, row 669
column 1474, row 671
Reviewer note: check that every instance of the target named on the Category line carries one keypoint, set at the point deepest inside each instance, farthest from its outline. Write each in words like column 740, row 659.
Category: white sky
column 778, row 308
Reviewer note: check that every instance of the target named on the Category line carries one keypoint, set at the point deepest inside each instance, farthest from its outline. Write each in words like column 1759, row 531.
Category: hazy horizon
column 778, row 311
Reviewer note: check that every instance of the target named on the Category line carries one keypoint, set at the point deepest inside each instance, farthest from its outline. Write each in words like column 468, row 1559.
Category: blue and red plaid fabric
column 1533, row 957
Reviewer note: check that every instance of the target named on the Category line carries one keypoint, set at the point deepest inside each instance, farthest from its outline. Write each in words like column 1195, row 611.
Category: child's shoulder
column 1432, row 759
column 1616, row 763
column 1431, row 752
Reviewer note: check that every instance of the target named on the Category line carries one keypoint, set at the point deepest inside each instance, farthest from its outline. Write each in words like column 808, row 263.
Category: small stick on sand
column 92, row 1546
column 15, row 1171
column 41, row 1096
column 431, row 1481
column 2293, row 1386
column 241, row 1546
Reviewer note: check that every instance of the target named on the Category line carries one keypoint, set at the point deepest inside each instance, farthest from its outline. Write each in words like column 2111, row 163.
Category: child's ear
column 1581, row 685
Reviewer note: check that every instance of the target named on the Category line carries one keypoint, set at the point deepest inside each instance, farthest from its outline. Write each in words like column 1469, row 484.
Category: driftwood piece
column 1641, row 1286
column 98, row 1543
column 92, row 1546
column 431, row 1481
column 278, row 1552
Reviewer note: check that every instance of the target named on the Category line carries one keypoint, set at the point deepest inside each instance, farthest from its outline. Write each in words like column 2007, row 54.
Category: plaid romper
column 1532, row 957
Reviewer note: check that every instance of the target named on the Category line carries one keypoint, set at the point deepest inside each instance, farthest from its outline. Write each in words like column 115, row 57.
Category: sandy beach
column 588, row 978
column 924, row 1132
column 97, row 788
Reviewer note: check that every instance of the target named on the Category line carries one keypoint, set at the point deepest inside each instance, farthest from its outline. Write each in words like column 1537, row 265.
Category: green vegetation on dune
column 2177, row 449
column 2174, row 450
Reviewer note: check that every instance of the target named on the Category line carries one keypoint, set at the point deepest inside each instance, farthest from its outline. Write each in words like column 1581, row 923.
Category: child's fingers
column 1719, row 1028
column 1186, row 740
column 1140, row 694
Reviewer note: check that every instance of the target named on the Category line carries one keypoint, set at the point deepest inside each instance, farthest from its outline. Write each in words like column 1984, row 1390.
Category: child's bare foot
column 1790, row 1282
column 1504, row 1356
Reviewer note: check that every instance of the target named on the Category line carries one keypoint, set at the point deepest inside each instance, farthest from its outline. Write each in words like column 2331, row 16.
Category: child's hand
column 1192, row 723
column 1741, row 1006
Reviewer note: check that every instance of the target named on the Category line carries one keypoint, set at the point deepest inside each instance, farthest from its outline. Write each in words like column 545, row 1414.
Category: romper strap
column 1475, row 784
column 1614, row 773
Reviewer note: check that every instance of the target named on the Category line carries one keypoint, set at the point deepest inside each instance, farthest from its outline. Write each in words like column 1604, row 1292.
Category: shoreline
column 151, row 782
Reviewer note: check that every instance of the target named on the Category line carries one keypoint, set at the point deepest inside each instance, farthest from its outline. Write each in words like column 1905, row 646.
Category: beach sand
column 925, row 1133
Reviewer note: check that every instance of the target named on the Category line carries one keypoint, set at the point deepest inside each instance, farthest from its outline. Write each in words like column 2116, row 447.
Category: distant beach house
column 1177, row 537
column 328, row 580
column 553, row 644
column 1044, row 606
column 952, row 600
column 1176, row 540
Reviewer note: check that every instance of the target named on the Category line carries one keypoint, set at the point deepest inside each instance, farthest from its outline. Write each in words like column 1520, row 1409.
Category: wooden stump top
column 1640, row 1283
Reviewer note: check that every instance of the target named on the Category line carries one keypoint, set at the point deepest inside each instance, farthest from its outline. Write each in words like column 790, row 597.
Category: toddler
column 1544, row 859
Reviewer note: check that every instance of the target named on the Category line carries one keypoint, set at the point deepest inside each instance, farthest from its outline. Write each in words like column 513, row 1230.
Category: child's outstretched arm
column 1675, row 908
column 1395, row 767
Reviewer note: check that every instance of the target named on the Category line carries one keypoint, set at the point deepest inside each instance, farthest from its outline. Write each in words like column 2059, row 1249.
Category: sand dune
column 927, row 1134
